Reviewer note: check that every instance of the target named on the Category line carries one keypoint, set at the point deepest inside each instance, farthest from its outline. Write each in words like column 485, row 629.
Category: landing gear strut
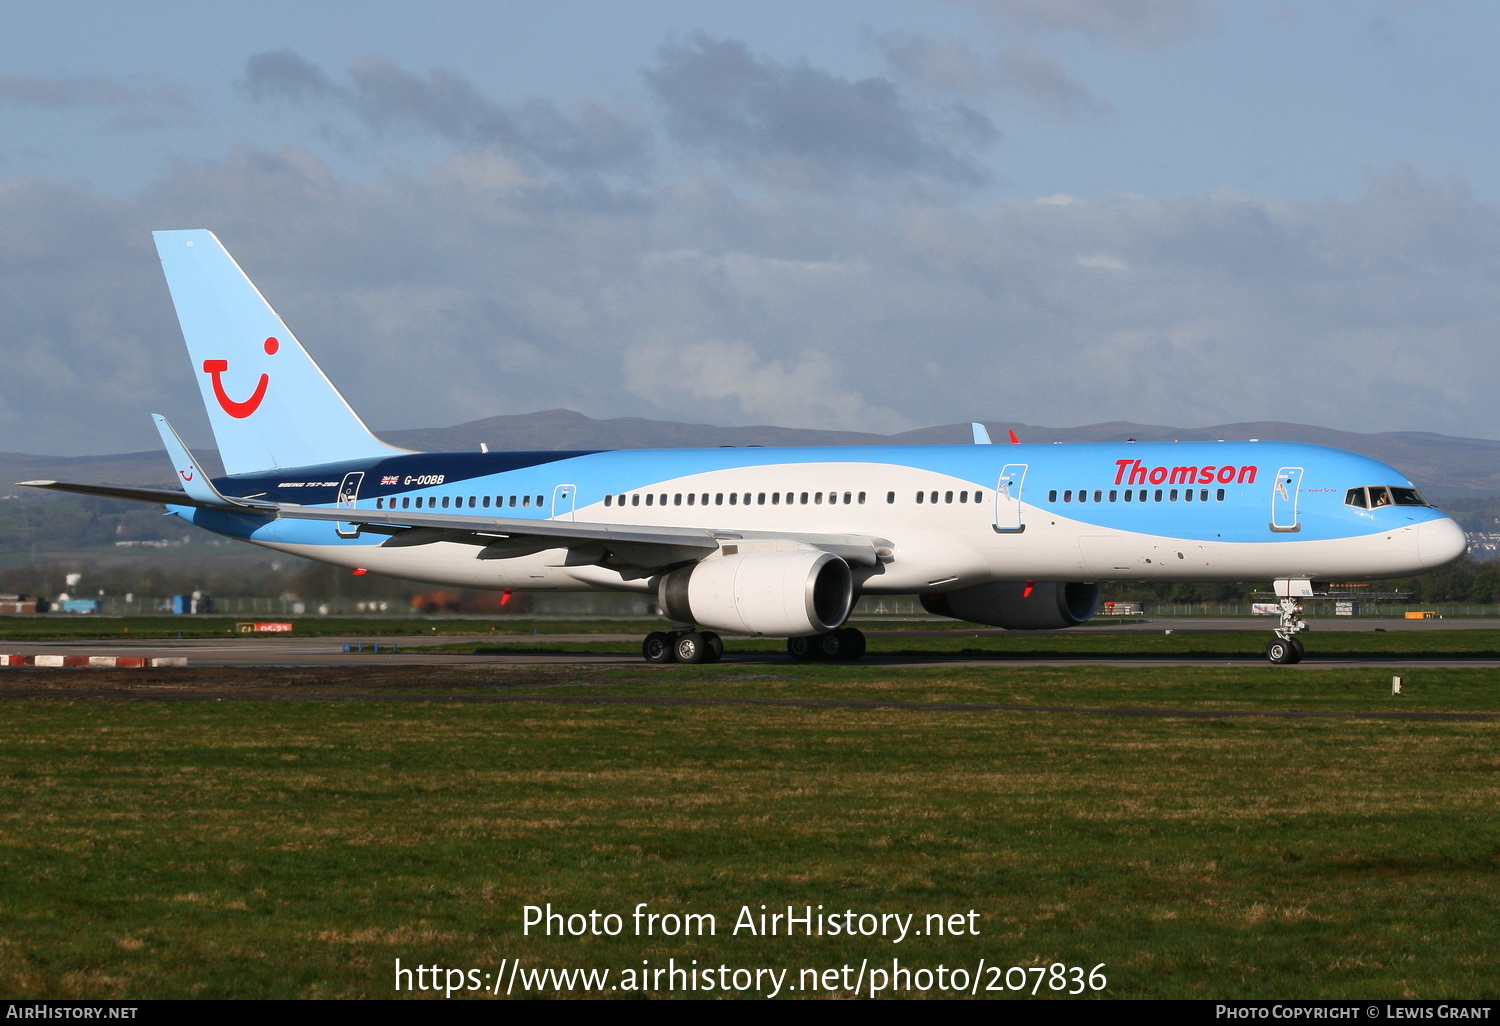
column 685, row 646
column 846, row 644
column 1285, row 648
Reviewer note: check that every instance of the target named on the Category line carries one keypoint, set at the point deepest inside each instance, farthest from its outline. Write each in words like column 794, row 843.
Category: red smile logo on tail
column 241, row 410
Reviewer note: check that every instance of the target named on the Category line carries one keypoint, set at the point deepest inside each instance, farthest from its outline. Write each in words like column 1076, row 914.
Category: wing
column 645, row 546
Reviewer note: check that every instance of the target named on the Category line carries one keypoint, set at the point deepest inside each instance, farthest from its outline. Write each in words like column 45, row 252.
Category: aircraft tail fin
column 269, row 404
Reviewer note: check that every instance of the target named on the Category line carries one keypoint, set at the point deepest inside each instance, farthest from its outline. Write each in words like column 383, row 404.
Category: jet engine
column 777, row 593
column 1008, row 604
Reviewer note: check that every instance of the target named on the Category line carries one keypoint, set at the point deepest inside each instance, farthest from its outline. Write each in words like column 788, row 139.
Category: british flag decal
column 389, row 479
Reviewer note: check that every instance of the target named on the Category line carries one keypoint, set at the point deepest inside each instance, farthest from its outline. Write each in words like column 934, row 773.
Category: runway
column 292, row 651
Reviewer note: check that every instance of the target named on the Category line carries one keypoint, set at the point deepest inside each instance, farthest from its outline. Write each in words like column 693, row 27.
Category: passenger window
column 776, row 498
column 649, row 498
column 734, row 497
column 920, row 496
column 846, row 498
column 890, row 498
column 691, row 497
column 677, row 499
column 526, row 501
column 1158, row 495
column 1127, row 495
column 1221, row 495
column 1203, row 495
column 718, row 498
column 1173, row 495
column 1083, row 495
column 1187, row 494
column 486, row 502
column 817, row 498
column 406, row 503
column 1052, row 495
column 1098, row 495
column 445, row 502
column 760, row 500
column 1114, row 496
column 948, row 497
column 1068, row 495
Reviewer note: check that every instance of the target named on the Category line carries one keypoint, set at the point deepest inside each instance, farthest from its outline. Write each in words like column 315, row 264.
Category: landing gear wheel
column 1283, row 651
column 714, row 647
column 853, row 643
column 657, row 648
column 690, row 647
column 800, row 649
column 830, row 646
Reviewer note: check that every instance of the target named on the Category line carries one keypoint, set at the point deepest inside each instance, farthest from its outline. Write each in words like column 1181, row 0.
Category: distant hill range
column 1446, row 468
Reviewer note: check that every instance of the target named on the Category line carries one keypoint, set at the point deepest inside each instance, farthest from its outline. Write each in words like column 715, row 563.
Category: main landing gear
column 686, row 646
column 1285, row 648
column 846, row 644
column 690, row 646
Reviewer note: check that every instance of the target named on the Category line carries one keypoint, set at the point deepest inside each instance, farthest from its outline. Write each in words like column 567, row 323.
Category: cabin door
column 1008, row 499
column 348, row 499
column 562, row 502
column 1284, row 499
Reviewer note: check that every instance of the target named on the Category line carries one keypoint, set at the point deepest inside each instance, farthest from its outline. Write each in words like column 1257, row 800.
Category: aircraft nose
column 1440, row 542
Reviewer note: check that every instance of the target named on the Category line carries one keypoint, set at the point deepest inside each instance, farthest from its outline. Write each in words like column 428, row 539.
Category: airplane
column 774, row 542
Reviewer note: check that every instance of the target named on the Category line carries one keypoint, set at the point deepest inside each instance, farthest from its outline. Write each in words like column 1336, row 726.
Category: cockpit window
column 1376, row 496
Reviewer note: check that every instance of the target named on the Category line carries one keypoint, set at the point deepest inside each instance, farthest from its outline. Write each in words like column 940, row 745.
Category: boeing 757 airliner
column 754, row 541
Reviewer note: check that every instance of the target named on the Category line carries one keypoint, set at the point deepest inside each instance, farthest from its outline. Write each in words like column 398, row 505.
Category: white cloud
column 477, row 288
column 731, row 383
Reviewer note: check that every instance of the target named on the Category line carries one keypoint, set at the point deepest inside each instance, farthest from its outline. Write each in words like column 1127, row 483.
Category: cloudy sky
column 868, row 215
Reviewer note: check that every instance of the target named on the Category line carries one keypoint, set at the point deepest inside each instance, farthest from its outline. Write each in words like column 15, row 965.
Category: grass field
column 297, row 848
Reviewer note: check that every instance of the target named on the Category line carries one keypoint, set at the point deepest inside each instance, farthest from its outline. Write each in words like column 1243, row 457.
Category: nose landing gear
column 1285, row 648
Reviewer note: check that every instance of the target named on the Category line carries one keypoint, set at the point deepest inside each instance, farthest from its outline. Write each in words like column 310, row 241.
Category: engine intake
column 775, row 593
column 1049, row 607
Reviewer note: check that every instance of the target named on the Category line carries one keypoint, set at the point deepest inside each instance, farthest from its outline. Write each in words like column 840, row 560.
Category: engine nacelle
column 777, row 593
column 1049, row 607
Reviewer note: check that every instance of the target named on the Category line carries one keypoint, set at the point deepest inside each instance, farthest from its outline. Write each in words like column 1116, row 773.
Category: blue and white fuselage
column 754, row 540
column 1097, row 512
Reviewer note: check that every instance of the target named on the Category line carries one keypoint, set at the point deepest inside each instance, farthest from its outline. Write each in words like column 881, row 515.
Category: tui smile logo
column 240, row 410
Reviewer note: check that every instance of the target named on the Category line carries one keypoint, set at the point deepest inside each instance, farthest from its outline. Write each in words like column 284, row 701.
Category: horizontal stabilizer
column 159, row 496
column 194, row 481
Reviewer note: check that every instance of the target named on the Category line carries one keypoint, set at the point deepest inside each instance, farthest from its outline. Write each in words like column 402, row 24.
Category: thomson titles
column 751, row 921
